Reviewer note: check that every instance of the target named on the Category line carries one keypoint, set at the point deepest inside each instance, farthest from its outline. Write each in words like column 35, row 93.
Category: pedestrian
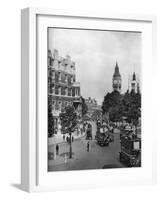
column 57, row 149
column 72, row 138
column 63, row 137
column 88, row 146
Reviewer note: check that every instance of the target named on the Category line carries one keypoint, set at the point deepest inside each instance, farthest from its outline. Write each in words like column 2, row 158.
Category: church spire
column 134, row 77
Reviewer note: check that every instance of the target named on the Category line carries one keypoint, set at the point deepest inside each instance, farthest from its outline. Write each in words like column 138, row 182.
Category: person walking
column 57, row 149
column 63, row 137
column 88, row 146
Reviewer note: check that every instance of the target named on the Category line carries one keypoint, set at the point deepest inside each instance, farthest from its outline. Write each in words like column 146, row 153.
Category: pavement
column 58, row 138
column 97, row 157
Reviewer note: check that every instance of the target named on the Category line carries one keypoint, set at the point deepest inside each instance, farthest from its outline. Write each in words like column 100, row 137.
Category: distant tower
column 134, row 84
column 117, row 79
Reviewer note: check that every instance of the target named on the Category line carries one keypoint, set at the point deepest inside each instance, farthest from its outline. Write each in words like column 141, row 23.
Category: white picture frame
column 33, row 176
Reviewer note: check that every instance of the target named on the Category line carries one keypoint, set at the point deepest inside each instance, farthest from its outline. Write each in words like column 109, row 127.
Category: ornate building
column 94, row 110
column 116, row 79
column 63, row 90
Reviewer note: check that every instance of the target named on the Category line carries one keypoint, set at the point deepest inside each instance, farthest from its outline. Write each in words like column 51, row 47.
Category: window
column 66, row 67
column 53, row 89
column 69, row 92
column 59, row 104
column 59, row 91
column 66, row 91
column 59, row 76
column 53, row 75
column 71, row 79
column 66, row 77
column 53, row 105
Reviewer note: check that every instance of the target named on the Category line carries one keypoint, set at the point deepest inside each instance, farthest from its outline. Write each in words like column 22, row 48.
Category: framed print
column 86, row 111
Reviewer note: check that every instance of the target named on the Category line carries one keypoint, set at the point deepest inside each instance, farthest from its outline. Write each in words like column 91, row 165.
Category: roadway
column 97, row 158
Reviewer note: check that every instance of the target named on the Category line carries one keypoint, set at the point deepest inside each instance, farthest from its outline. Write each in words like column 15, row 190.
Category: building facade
column 94, row 110
column 116, row 81
column 63, row 90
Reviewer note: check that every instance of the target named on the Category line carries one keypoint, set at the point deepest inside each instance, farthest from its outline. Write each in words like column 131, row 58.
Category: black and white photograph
column 94, row 99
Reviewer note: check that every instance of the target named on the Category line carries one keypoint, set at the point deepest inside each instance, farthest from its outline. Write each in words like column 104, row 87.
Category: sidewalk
column 58, row 139
column 61, row 161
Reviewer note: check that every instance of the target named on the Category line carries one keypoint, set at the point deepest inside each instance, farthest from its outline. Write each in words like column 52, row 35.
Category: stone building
column 94, row 110
column 63, row 90
column 116, row 81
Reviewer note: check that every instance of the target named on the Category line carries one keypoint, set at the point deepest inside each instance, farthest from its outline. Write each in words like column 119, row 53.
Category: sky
column 95, row 54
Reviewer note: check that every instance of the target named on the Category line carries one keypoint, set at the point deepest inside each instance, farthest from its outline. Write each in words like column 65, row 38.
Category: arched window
column 59, row 104
column 66, row 78
column 59, row 76
column 53, row 105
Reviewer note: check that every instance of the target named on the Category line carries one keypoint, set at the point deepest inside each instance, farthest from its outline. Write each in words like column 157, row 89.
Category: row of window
column 58, row 76
column 59, row 105
column 64, row 91
column 60, row 64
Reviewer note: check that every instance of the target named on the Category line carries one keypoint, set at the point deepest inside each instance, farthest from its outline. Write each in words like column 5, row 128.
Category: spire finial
column 134, row 77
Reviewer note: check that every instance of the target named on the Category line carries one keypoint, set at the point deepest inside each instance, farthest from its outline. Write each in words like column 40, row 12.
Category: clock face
column 115, row 82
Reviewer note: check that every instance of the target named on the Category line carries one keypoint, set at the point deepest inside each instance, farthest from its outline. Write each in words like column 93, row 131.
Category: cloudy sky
column 95, row 54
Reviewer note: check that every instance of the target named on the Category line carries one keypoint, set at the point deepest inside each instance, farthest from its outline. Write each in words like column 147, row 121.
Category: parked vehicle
column 103, row 135
column 130, row 153
column 89, row 132
column 103, row 139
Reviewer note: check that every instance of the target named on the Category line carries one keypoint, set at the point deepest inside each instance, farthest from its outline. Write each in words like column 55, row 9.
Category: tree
column 132, row 107
column 50, row 121
column 69, row 122
column 112, row 105
column 84, row 107
column 127, row 105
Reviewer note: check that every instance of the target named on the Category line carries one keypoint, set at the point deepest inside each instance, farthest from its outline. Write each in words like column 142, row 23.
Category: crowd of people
column 103, row 126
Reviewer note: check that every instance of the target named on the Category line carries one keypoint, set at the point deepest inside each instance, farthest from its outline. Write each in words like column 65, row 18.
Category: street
column 97, row 158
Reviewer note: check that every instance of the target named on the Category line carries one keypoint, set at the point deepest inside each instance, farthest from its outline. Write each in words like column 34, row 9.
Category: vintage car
column 89, row 132
column 130, row 153
column 103, row 139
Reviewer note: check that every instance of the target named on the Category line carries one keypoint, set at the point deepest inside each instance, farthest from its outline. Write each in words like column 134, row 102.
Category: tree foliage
column 112, row 104
column 118, row 106
column 50, row 120
column 84, row 106
column 132, row 106
column 68, row 119
column 69, row 122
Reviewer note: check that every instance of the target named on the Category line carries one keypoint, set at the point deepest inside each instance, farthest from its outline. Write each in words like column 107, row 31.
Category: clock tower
column 116, row 79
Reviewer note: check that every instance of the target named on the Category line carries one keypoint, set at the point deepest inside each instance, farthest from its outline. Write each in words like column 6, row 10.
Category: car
column 89, row 132
column 130, row 153
column 103, row 139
